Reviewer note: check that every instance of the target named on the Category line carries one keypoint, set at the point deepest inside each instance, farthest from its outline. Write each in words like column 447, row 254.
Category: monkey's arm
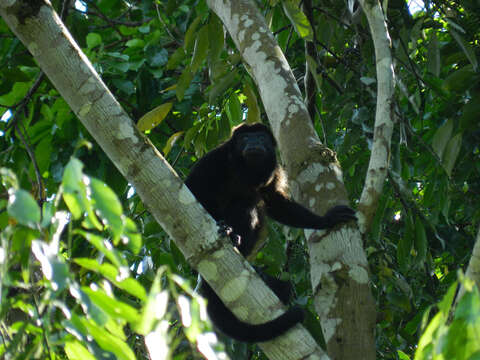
column 286, row 211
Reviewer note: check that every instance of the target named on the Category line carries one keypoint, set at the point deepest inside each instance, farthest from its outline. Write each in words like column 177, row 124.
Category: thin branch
column 21, row 105
column 31, row 154
column 159, row 16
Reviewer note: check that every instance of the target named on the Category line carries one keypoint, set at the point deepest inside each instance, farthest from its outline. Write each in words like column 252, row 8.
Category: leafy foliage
column 91, row 295
column 84, row 266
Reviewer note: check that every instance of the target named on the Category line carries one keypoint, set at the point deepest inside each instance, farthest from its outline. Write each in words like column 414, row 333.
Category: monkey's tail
column 231, row 326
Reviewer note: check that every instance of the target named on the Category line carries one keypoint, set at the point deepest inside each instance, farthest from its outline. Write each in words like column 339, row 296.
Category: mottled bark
column 380, row 155
column 337, row 259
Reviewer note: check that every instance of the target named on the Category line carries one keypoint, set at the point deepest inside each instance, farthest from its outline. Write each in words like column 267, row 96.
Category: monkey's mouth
column 254, row 157
column 253, row 153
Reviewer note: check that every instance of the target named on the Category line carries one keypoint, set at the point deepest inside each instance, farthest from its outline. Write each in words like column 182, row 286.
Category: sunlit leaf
column 171, row 141
column 253, row 114
column 138, row 43
column 155, row 308
column 154, row 117
column 53, row 266
column 93, row 40
column 104, row 246
column 109, row 342
column 298, row 19
column 23, row 207
column 76, row 351
column 116, row 309
column 108, row 206
column 234, row 109
column 111, row 273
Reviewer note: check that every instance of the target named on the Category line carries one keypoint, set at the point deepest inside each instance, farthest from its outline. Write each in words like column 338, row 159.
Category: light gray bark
column 338, row 262
column 384, row 115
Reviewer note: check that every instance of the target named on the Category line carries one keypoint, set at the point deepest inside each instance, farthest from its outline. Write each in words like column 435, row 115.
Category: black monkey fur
column 239, row 183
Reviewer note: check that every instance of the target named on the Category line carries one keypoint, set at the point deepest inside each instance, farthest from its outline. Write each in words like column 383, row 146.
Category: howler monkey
column 238, row 183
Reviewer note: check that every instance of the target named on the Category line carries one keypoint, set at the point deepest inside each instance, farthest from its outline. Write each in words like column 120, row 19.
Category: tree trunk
column 338, row 262
column 163, row 193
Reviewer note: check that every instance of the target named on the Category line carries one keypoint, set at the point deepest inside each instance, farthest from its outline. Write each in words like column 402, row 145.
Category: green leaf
column 183, row 83
column 191, row 33
column 220, row 86
column 441, row 137
column 433, row 55
column 76, row 351
column 111, row 306
column 467, row 49
column 18, row 92
column 108, row 206
column 9, row 179
column 298, row 19
column 111, row 273
column 74, row 188
column 154, row 117
column 108, row 341
column 92, row 311
column 135, row 43
column 461, row 80
column 402, row 355
column 234, row 109
column 405, row 243
column 23, row 207
column 93, row 40
column 132, row 237
column 216, row 37
column 200, row 50
column 53, row 267
column 253, row 114
column 156, row 306
column 176, row 58
column 171, row 141
column 421, row 242
column 104, row 247
column 451, row 153
column 75, row 194
column 470, row 113
column 43, row 152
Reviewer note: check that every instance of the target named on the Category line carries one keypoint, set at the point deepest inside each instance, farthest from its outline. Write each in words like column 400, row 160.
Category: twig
column 41, row 190
column 19, row 107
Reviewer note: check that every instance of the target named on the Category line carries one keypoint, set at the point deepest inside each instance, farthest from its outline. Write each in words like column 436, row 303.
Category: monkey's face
column 255, row 148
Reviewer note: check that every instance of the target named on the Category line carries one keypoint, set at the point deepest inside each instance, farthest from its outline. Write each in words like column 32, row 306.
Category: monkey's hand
column 227, row 231
column 339, row 214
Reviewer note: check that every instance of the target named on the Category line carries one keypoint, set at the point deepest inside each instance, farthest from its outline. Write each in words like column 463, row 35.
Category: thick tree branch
column 338, row 263
column 473, row 269
column 378, row 166
column 161, row 190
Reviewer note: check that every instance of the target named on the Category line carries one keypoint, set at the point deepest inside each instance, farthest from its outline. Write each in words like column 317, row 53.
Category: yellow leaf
column 173, row 139
column 154, row 117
